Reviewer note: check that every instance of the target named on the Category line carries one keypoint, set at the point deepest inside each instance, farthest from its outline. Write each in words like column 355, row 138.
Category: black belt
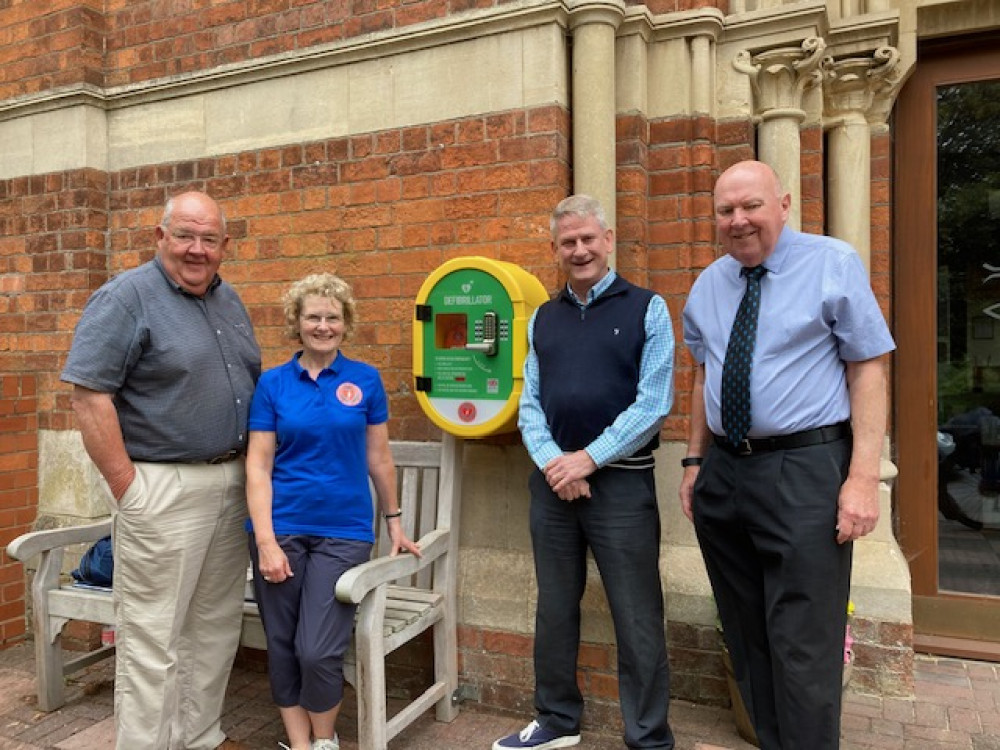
column 749, row 446
column 225, row 458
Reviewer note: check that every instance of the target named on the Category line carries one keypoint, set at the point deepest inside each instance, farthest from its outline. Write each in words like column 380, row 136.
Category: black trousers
column 620, row 525
column 766, row 526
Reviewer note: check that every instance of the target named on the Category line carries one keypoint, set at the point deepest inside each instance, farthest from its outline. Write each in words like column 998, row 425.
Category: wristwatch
column 691, row 461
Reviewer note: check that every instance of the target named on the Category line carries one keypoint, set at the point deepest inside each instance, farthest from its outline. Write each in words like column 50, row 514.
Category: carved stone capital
column 779, row 77
column 861, row 87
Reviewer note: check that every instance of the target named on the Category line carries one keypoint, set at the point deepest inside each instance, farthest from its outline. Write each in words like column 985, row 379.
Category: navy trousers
column 766, row 526
column 620, row 524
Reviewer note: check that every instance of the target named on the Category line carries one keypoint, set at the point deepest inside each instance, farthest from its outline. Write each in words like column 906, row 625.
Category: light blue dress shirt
column 635, row 426
column 817, row 311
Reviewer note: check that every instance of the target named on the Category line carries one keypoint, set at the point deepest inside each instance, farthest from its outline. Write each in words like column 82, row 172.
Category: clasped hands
column 567, row 475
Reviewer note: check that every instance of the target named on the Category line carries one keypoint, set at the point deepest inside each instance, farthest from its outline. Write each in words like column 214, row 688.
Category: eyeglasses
column 208, row 241
column 315, row 320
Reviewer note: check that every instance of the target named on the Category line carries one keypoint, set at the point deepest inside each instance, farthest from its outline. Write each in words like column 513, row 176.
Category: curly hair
column 318, row 285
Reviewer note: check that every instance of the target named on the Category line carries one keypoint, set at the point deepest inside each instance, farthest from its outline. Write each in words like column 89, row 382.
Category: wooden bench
column 398, row 597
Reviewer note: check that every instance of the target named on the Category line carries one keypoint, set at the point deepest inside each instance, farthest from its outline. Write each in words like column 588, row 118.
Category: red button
column 467, row 411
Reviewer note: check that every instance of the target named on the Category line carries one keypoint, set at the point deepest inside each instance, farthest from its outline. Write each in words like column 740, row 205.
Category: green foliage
column 968, row 171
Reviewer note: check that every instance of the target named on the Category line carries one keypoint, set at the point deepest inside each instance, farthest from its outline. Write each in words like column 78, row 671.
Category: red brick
column 511, row 644
column 546, row 119
column 671, row 131
column 603, row 686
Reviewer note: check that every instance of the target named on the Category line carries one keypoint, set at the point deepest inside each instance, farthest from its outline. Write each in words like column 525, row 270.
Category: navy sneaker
column 535, row 738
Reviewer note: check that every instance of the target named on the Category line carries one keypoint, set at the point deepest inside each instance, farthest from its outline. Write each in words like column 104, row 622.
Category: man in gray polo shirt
column 163, row 365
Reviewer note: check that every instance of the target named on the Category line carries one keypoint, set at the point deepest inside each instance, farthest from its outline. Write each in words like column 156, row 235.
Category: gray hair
column 168, row 214
column 578, row 205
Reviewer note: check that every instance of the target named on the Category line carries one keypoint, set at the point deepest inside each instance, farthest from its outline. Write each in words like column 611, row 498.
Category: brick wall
column 150, row 38
column 382, row 210
column 813, row 180
column 18, row 492
column 122, row 42
column 52, row 240
column 500, row 663
column 881, row 229
column 670, row 6
column 685, row 156
column 40, row 51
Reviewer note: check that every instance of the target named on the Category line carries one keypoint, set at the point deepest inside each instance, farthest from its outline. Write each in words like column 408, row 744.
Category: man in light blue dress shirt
column 776, row 513
column 598, row 383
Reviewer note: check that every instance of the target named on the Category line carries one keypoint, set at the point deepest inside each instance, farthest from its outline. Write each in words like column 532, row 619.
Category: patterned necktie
column 739, row 359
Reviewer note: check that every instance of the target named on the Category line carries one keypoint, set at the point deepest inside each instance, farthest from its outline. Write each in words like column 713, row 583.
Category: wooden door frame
column 961, row 624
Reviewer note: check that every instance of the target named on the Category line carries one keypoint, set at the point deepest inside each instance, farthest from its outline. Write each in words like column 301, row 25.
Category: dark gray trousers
column 307, row 629
column 766, row 526
column 620, row 524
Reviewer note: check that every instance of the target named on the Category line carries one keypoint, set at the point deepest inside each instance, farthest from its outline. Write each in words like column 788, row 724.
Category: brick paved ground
column 957, row 705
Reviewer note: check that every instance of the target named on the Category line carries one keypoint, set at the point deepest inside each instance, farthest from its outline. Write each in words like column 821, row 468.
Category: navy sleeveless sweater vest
column 589, row 361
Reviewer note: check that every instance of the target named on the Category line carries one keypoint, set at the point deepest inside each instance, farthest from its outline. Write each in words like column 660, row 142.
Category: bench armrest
column 28, row 545
column 355, row 584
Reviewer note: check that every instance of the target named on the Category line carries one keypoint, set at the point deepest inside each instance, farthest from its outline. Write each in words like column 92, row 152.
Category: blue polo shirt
column 320, row 474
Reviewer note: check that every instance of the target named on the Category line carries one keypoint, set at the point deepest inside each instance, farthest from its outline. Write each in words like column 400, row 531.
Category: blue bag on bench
column 97, row 564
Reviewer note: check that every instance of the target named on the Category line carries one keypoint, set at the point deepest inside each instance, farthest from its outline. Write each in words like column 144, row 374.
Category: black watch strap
column 691, row 461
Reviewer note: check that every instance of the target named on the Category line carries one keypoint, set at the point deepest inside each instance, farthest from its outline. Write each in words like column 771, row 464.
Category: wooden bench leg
column 370, row 666
column 48, row 636
column 49, row 668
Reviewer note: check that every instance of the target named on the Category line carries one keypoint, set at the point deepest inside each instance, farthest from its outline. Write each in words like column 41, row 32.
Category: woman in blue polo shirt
column 317, row 433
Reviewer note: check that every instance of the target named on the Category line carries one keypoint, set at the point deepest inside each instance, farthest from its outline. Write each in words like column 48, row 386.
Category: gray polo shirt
column 182, row 368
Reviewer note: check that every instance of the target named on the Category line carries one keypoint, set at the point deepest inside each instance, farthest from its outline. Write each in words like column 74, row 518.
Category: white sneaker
column 327, row 744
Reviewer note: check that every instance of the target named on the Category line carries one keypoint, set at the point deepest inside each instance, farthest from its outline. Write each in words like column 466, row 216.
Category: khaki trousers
column 180, row 573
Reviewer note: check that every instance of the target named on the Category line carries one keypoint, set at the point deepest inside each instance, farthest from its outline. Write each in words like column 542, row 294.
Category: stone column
column 703, row 80
column 851, row 87
column 593, row 26
column 779, row 78
column 857, row 96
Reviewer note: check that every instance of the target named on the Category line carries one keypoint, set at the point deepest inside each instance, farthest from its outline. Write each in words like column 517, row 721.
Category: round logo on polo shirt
column 349, row 394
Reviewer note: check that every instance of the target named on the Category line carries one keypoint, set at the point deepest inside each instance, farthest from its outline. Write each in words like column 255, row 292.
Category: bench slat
column 403, row 607
column 91, row 605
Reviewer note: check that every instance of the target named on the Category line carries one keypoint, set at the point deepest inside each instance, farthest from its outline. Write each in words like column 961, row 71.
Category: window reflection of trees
column 968, row 330
column 968, row 198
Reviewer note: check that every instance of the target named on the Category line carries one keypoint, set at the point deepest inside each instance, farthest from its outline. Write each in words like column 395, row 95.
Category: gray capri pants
column 307, row 629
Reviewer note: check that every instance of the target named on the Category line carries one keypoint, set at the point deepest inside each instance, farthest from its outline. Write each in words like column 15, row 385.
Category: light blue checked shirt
column 635, row 426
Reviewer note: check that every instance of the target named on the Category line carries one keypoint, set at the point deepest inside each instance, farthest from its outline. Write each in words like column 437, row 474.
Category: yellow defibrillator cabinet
column 470, row 338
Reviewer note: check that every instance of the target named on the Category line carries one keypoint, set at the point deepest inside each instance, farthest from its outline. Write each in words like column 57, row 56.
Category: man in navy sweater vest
column 598, row 383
